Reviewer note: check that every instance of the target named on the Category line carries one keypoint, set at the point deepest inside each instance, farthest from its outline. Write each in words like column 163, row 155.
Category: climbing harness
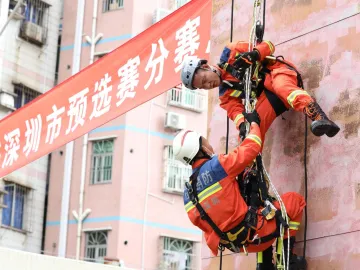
column 255, row 194
column 256, row 35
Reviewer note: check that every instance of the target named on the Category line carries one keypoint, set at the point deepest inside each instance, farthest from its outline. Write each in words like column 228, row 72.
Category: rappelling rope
column 249, row 107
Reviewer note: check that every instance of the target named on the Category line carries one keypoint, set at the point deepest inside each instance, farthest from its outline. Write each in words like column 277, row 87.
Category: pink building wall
column 138, row 171
column 322, row 39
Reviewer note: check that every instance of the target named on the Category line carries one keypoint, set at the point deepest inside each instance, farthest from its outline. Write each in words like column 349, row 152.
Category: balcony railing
column 193, row 100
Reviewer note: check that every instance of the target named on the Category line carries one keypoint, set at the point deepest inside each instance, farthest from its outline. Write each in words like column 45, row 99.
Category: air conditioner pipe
column 18, row 4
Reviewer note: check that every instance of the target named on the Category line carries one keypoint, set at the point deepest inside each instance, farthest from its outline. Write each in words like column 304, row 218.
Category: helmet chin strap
column 206, row 154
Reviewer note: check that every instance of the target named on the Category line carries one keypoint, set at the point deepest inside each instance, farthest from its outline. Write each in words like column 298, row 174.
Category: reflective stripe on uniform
column 255, row 138
column 203, row 195
column 238, row 118
column 279, row 247
column 233, row 237
column 272, row 49
column 294, row 95
column 260, row 257
column 235, row 93
column 293, row 225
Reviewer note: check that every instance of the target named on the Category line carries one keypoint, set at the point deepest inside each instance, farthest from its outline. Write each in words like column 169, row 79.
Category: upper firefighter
column 280, row 78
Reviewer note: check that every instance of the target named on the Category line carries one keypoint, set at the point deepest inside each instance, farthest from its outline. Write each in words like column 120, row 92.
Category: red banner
column 137, row 71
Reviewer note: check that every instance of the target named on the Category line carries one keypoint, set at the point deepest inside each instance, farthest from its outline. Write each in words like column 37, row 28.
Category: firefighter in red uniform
column 276, row 84
column 214, row 203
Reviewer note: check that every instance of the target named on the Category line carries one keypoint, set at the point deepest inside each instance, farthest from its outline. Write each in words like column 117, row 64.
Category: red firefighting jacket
column 230, row 99
column 218, row 190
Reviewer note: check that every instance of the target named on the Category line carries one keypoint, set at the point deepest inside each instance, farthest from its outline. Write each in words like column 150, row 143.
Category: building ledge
column 13, row 229
column 171, row 191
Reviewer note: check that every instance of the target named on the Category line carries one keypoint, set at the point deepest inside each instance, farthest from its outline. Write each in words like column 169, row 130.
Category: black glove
column 252, row 117
column 245, row 60
column 242, row 131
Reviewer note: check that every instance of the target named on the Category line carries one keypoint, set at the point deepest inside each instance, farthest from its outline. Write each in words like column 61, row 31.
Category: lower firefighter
column 214, row 201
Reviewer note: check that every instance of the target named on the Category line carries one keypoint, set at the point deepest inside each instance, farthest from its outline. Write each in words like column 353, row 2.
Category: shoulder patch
column 210, row 173
column 225, row 55
column 222, row 89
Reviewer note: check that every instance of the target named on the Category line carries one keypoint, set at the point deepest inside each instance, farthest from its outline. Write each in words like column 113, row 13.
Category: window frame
column 36, row 6
column 25, row 91
column 108, row 3
column 166, row 250
column 25, row 207
column 179, row 169
column 97, row 247
column 95, row 169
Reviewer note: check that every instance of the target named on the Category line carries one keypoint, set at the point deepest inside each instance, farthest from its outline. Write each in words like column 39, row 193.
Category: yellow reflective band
column 232, row 237
column 293, row 225
column 294, row 95
column 280, row 246
column 238, row 117
column 272, row 49
column 260, row 257
column 235, row 93
column 203, row 195
column 254, row 138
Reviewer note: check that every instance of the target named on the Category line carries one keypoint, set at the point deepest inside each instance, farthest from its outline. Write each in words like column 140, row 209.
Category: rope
column 227, row 118
column 249, row 107
column 306, row 180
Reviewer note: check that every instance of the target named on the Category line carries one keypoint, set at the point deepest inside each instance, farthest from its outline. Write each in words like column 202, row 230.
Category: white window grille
column 35, row 23
column 18, row 202
column 109, row 5
column 180, row 3
column 24, row 95
column 177, row 254
column 193, row 100
column 176, row 174
column 96, row 246
column 101, row 161
column 2, row 193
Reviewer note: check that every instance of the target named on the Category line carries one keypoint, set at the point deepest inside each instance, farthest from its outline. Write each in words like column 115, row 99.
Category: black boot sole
column 319, row 128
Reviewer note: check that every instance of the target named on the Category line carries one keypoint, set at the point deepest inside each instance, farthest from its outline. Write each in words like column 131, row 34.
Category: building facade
column 28, row 52
column 322, row 39
column 131, row 199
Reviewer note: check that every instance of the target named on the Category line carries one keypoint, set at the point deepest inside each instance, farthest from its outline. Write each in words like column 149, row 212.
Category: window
column 101, row 162
column 15, row 201
column 177, row 254
column 96, row 246
column 24, row 95
column 36, row 18
column 176, row 174
column 109, row 5
column 193, row 100
column 2, row 192
column 180, row 3
column 100, row 55
column 35, row 12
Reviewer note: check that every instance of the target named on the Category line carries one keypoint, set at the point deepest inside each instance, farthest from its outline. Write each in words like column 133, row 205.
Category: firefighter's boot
column 321, row 123
column 295, row 262
column 265, row 260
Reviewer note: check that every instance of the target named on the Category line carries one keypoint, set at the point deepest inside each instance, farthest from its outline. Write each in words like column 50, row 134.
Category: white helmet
column 190, row 65
column 186, row 145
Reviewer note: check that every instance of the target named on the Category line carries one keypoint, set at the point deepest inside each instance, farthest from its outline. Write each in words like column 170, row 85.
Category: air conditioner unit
column 175, row 121
column 7, row 100
column 33, row 32
column 160, row 13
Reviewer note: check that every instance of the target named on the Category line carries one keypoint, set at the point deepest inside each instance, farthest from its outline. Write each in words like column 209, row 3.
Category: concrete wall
column 322, row 38
column 33, row 66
